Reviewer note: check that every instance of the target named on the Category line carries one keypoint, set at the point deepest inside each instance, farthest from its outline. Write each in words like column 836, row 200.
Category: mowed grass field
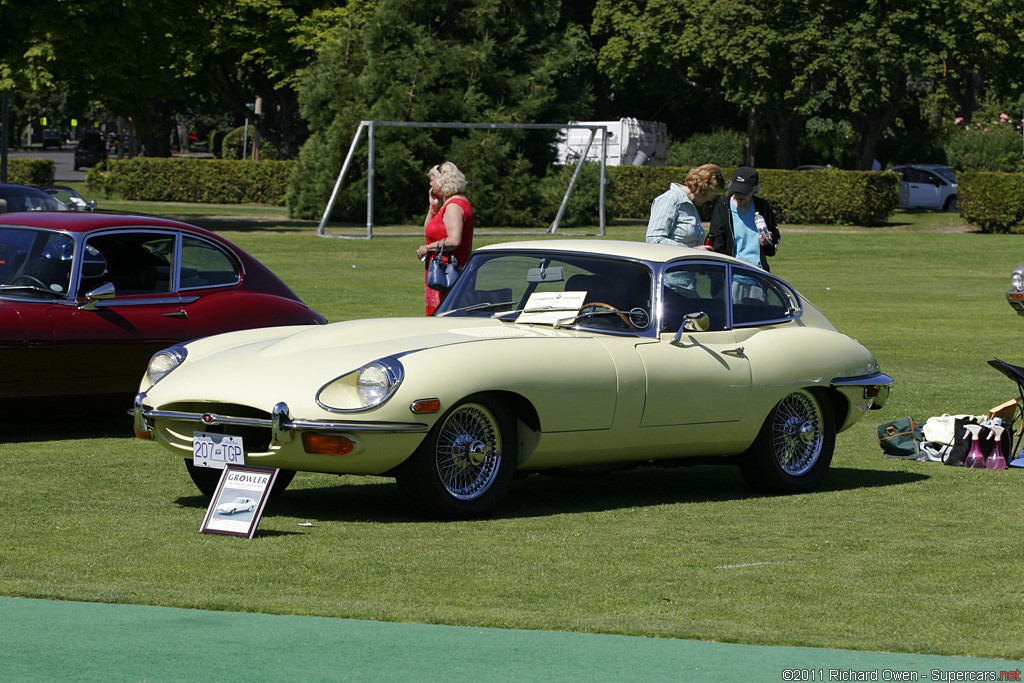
column 888, row 555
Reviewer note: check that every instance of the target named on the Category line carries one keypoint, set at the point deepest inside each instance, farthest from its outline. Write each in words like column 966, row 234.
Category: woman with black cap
column 742, row 224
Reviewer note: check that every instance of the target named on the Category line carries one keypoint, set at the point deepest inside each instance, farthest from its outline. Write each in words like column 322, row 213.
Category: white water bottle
column 762, row 227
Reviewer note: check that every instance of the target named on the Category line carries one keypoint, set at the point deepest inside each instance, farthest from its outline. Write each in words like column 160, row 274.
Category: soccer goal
column 370, row 126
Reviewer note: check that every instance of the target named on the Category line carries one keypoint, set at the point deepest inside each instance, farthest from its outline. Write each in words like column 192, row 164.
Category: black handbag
column 440, row 275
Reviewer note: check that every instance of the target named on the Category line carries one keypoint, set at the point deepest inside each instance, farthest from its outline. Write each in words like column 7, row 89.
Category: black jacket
column 722, row 239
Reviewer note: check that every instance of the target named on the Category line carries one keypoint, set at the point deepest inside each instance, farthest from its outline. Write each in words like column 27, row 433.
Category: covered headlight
column 367, row 387
column 1017, row 280
column 163, row 362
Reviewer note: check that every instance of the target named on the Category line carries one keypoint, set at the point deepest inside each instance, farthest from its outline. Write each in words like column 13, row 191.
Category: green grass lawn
column 889, row 555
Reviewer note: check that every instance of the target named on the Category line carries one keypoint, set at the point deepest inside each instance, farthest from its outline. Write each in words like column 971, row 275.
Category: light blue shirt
column 744, row 230
column 674, row 219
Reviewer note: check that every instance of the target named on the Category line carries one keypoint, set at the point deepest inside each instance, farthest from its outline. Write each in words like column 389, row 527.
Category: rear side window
column 204, row 264
column 760, row 299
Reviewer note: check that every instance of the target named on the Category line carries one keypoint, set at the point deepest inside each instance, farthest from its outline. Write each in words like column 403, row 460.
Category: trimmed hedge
column 828, row 196
column 212, row 181
column 31, row 171
column 993, row 202
column 831, row 196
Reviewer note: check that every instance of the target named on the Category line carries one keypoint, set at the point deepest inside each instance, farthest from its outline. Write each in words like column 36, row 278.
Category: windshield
column 946, row 173
column 562, row 289
column 35, row 260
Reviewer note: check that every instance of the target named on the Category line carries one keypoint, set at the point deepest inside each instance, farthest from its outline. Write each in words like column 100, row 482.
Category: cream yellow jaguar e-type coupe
column 546, row 355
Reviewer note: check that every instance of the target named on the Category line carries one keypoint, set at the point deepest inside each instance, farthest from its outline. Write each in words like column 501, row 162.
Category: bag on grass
column 962, row 438
column 900, row 438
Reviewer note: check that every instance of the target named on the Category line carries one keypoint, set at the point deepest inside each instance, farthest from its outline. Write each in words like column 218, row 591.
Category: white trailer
column 630, row 142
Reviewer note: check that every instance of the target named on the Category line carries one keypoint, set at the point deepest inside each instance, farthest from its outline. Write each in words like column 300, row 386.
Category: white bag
column 939, row 429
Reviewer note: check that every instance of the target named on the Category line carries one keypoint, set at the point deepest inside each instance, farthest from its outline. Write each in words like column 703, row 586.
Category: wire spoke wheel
column 464, row 467
column 793, row 450
column 797, row 433
column 468, row 453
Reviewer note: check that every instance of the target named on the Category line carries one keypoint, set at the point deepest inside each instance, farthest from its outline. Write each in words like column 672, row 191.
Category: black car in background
column 91, row 150
column 53, row 137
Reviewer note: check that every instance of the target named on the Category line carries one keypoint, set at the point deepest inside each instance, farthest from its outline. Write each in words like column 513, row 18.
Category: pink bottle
column 997, row 461
column 975, row 458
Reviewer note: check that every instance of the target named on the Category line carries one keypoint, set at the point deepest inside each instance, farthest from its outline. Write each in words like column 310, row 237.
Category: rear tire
column 207, row 478
column 794, row 448
column 464, row 467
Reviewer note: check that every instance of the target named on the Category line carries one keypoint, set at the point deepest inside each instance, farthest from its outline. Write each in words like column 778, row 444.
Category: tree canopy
column 848, row 81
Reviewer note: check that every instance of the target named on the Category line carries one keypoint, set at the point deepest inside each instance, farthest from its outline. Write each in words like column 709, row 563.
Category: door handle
column 180, row 313
column 738, row 351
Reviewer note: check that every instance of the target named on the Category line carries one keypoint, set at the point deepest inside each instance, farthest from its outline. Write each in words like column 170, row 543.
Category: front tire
column 207, row 478
column 464, row 467
column 794, row 448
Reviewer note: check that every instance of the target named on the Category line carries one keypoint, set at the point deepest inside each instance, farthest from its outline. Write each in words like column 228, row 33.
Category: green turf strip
column 44, row 640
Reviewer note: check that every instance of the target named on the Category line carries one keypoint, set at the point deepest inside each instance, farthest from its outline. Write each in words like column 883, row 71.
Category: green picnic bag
column 900, row 438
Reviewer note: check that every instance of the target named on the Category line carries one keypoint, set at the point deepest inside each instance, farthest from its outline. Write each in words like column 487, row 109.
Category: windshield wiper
column 636, row 318
column 479, row 307
column 589, row 314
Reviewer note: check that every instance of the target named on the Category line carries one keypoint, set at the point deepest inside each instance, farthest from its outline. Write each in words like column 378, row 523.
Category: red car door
column 106, row 349
column 103, row 345
column 26, row 343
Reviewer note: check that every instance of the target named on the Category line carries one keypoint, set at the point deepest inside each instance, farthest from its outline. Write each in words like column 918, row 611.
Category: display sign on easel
column 237, row 504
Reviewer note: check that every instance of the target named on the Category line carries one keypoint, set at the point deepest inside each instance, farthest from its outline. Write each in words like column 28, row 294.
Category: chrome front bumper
column 281, row 424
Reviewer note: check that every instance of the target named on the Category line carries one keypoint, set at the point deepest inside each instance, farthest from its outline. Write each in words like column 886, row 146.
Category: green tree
column 873, row 53
column 977, row 47
column 756, row 55
column 765, row 54
column 132, row 58
column 261, row 49
column 483, row 61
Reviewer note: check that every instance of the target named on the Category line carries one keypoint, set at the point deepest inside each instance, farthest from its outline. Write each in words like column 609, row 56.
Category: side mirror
column 101, row 293
column 696, row 322
column 693, row 322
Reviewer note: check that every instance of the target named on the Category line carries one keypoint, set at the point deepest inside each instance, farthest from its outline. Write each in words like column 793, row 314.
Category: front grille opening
column 256, row 439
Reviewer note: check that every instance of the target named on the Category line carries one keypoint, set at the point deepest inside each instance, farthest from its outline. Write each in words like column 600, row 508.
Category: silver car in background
column 927, row 186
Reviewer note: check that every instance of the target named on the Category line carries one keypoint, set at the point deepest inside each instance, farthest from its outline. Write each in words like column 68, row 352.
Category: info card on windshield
column 547, row 308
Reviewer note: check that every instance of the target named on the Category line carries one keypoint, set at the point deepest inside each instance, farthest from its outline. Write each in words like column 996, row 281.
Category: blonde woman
column 448, row 226
column 674, row 217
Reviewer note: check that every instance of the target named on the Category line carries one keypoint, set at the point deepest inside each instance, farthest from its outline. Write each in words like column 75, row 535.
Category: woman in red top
column 448, row 226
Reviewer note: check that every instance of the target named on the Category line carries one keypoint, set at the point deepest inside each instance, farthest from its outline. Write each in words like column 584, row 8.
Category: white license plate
column 217, row 450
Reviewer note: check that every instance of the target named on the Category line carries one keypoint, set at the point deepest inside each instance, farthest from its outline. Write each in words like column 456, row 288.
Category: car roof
column 75, row 221
column 926, row 167
column 15, row 187
column 658, row 253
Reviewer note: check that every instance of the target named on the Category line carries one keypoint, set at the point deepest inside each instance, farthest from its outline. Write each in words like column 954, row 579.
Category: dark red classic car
column 87, row 298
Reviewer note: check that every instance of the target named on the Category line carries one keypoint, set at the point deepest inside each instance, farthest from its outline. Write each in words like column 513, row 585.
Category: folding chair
column 1016, row 374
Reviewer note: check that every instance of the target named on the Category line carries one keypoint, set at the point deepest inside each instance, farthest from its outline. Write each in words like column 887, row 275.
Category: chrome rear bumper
column 878, row 381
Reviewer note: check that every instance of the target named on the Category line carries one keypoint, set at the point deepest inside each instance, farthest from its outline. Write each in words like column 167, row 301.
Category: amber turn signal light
column 327, row 444
column 426, row 405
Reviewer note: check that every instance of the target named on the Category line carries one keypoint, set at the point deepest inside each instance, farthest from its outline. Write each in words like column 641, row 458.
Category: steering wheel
column 600, row 304
column 28, row 279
